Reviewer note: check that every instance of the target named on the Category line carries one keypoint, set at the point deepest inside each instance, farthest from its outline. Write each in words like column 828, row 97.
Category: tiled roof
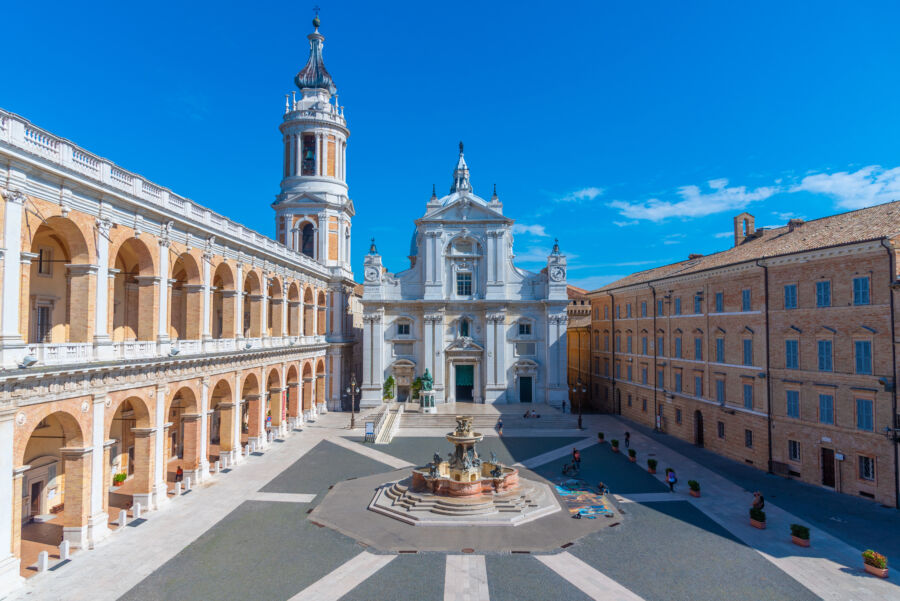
column 873, row 223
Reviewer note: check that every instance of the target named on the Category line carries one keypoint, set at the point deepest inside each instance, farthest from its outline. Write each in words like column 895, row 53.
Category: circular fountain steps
column 530, row 501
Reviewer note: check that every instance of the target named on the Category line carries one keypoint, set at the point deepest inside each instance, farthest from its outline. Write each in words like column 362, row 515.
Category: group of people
column 531, row 414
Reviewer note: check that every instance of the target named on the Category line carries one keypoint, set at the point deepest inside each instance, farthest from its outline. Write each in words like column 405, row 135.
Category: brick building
column 141, row 332
column 578, row 350
column 778, row 352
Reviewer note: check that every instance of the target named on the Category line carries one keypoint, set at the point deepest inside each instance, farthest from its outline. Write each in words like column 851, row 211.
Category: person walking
column 500, row 426
column 627, row 439
column 671, row 479
column 179, row 474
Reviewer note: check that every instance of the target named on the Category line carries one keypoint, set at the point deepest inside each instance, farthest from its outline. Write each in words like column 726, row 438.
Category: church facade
column 486, row 330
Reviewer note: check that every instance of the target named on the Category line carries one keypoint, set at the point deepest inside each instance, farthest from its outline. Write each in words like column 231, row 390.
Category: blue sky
column 631, row 131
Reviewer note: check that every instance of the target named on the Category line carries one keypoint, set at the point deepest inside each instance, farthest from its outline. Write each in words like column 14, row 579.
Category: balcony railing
column 68, row 353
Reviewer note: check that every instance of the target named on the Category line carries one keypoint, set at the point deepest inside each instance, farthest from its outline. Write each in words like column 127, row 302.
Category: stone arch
column 307, row 232
column 56, row 472
column 292, row 380
column 293, row 309
column 320, row 382
column 309, row 315
column 134, row 289
column 251, row 425
column 128, row 423
column 220, row 420
column 320, row 313
column 275, row 307
column 59, row 283
column 185, row 298
column 308, row 380
column 274, row 399
column 183, row 412
column 223, row 302
column 253, row 305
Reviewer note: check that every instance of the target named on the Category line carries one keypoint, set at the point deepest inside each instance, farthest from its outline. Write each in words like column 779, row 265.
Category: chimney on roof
column 794, row 224
column 743, row 227
column 693, row 256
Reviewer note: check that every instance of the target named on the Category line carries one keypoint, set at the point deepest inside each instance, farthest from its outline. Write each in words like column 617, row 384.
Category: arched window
column 308, row 240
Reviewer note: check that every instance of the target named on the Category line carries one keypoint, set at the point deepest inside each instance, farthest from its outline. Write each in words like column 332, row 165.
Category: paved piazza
column 252, row 533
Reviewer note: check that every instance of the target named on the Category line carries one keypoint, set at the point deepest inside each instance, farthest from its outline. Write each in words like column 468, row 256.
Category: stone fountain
column 464, row 489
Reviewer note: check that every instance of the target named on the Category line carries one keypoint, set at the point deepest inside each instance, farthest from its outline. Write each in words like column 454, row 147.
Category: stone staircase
column 391, row 424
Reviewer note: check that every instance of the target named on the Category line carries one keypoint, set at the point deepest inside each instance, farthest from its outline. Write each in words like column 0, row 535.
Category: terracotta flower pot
column 601, row 440
column 801, row 542
column 694, row 493
column 632, row 459
column 118, row 483
column 651, row 470
column 615, row 449
column 760, row 525
column 880, row 572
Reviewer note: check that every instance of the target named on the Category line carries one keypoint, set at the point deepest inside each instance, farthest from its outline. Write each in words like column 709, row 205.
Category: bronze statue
column 427, row 381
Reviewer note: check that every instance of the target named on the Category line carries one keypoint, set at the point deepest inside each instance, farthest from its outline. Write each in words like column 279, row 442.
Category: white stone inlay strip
column 282, row 497
column 591, row 582
column 369, row 452
column 465, row 578
column 556, row 454
column 345, row 578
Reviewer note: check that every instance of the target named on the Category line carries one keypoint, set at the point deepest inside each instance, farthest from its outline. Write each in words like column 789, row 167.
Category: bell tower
column 313, row 211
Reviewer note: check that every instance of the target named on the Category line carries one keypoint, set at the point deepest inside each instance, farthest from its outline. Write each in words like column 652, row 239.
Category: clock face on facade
column 557, row 273
column 371, row 274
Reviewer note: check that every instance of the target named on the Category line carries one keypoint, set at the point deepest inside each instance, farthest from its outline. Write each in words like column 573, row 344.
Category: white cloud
column 574, row 266
column 534, row 230
column 694, row 202
column 723, row 235
column 538, row 255
column 869, row 186
column 625, row 223
column 581, row 195
column 788, row 215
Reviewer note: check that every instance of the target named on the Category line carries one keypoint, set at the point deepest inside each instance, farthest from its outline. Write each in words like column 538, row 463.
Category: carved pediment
column 464, row 344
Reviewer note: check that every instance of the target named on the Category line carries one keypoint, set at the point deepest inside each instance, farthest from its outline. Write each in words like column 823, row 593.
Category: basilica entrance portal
column 465, row 382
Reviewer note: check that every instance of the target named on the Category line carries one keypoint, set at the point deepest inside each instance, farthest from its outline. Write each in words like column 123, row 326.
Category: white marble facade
column 485, row 329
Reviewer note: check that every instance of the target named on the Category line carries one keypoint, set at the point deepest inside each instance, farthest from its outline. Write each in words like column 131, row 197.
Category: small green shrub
column 651, row 463
column 876, row 560
column 757, row 514
column 120, row 477
column 599, row 435
column 614, row 442
column 694, row 485
column 388, row 389
column 632, row 453
column 800, row 531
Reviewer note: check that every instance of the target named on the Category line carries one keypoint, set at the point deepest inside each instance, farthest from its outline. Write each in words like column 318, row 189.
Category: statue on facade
column 427, row 381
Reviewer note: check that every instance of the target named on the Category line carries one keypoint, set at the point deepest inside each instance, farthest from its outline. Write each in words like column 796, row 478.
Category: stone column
column 144, row 444
column 97, row 528
column 77, row 462
column 204, row 428
column 264, row 310
column 102, row 342
column 373, row 372
column 162, row 326
column 12, row 346
column 207, row 297
column 160, row 487
column 239, row 303
column 11, row 498
column 335, row 380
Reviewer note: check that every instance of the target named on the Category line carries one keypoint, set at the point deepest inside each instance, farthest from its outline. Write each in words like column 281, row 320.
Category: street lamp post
column 579, row 387
column 353, row 390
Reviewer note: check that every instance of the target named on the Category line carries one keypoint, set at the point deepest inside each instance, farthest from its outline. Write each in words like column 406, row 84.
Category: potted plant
column 600, row 437
column 651, row 466
column 800, row 535
column 119, row 478
column 875, row 563
column 757, row 518
column 614, row 443
column 694, row 487
column 632, row 455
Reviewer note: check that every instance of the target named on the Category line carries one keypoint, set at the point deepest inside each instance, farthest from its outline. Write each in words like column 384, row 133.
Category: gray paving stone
column 599, row 463
column 672, row 552
column 418, row 576
column 261, row 550
column 523, row 578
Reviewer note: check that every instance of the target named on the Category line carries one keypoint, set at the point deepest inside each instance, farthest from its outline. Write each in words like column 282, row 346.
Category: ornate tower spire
column 314, row 74
column 461, row 174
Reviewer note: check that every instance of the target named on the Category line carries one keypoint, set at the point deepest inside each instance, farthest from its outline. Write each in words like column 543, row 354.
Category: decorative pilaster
column 160, row 490
column 204, row 428
column 206, row 262
column 10, row 494
column 162, row 332
column 97, row 521
column 373, row 355
column 102, row 342
column 12, row 346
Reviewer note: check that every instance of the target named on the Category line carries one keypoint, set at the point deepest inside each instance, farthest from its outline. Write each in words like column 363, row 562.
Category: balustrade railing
column 61, row 353
column 137, row 349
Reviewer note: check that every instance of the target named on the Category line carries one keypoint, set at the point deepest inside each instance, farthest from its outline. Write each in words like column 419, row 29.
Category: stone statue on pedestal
column 427, row 381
